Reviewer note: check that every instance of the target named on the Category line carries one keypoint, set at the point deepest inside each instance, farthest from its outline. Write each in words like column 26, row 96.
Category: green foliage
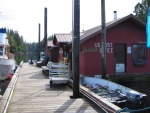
column 31, row 47
column 42, row 44
column 141, row 9
column 17, row 45
column 50, row 37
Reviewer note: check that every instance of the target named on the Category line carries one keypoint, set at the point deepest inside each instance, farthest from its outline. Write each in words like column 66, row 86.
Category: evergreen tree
column 51, row 37
column 141, row 9
column 17, row 45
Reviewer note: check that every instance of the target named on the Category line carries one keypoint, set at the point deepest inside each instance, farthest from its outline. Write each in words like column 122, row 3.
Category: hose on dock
column 133, row 111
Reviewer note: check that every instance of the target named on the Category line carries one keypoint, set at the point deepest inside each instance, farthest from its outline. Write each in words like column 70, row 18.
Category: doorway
column 120, row 58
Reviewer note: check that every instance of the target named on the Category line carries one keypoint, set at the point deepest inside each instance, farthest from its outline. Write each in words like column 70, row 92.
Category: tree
column 16, row 42
column 51, row 37
column 141, row 9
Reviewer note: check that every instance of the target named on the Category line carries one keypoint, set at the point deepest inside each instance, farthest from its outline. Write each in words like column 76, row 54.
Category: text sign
column 109, row 48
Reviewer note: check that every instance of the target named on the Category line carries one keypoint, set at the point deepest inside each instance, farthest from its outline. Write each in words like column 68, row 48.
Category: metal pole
column 39, row 40
column 45, row 32
column 76, row 46
column 103, row 39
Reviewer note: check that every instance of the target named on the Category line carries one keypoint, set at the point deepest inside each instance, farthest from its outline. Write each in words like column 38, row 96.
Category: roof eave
column 142, row 23
column 91, row 35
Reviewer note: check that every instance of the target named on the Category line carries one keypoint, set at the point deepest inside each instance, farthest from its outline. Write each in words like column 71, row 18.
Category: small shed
column 63, row 41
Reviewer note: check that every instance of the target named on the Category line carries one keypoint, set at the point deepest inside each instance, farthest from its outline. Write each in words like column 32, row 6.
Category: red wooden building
column 63, row 41
column 126, row 50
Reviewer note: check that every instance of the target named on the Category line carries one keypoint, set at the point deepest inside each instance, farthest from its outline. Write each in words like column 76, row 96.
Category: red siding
column 125, row 33
column 90, row 61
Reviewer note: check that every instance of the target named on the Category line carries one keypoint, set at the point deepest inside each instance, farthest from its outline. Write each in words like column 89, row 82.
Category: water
column 3, row 86
column 143, row 87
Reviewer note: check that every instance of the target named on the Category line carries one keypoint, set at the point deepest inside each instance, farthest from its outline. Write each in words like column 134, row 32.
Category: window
column 139, row 54
column 1, row 51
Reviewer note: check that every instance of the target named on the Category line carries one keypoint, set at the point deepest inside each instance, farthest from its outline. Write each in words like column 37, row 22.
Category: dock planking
column 32, row 94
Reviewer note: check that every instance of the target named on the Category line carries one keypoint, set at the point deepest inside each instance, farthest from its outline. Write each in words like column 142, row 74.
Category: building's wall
column 55, row 54
column 60, row 54
column 125, row 33
column 90, row 58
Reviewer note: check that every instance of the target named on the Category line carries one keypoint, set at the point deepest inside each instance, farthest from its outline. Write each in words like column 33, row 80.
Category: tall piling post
column 76, row 46
column 39, row 48
column 45, row 32
column 103, row 39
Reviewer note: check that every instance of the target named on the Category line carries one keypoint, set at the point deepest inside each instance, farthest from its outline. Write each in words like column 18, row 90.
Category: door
column 120, row 58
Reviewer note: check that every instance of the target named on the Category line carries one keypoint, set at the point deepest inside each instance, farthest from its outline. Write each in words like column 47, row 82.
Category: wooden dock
column 33, row 94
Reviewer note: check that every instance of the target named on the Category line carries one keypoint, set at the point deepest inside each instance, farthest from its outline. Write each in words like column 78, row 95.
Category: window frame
column 1, row 51
column 139, row 61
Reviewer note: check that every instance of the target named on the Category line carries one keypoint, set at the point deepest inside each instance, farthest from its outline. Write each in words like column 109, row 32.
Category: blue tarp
column 148, row 29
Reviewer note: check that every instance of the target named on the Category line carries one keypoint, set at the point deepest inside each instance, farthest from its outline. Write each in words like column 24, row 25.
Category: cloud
column 25, row 15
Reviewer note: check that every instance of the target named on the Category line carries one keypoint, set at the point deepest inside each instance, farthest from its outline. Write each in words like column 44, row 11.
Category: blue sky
column 25, row 15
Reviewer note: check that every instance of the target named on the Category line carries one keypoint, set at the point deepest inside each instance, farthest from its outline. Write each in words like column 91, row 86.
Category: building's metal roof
column 63, row 38
column 96, row 30
column 85, row 35
column 50, row 43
